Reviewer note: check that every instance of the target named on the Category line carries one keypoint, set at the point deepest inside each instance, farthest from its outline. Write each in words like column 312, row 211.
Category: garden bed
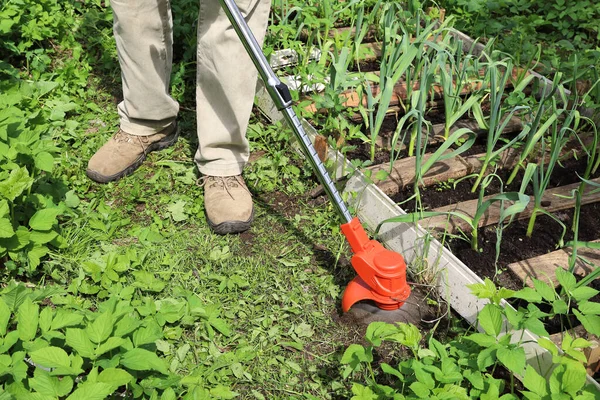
column 417, row 244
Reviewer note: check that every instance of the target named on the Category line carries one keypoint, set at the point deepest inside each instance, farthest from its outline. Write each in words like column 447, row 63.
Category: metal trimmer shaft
column 280, row 94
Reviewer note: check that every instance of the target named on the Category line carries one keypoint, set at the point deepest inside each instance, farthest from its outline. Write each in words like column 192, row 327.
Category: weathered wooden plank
column 542, row 267
column 552, row 197
column 436, row 133
column 403, row 171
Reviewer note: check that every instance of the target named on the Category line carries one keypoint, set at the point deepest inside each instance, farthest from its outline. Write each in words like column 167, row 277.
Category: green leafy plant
column 75, row 353
column 465, row 366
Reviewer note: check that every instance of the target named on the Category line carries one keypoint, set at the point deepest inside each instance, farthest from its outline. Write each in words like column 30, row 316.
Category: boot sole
column 228, row 227
column 168, row 141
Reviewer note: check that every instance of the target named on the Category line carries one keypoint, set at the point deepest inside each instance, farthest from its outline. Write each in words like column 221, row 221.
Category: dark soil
column 515, row 245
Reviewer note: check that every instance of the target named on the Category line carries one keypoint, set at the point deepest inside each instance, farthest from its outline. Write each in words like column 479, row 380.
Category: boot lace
column 124, row 137
column 222, row 182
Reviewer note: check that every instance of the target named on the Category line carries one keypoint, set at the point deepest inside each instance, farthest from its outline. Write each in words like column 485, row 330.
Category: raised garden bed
column 394, row 175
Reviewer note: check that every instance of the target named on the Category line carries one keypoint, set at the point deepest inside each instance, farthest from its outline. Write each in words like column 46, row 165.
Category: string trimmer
column 381, row 272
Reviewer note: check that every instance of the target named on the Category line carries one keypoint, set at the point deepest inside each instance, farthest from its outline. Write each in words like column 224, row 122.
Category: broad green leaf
column 172, row 310
column 71, row 199
column 6, row 228
column 44, row 161
column 486, row 357
column 565, row 278
column 534, row 381
column 45, row 321
column 35, row 255
column 27, row 320
column 490, row 319
column 584, row 293
column 99, row 330
column 148, row 334
column 92, row 391
column 4, row 317
column 110, row 344
column 66, row 317
column 148, row 281
column 126, row 325
column 423, row 376
column 354, row 352
column 220, row 325
column 223, row 392
column 548, row 345
column 4, row 208
column 43, row 220
column 51, row 357
column 528, row 294
column 115, row 377
column 589, row 307
column 545, row 290
column 17, row 182
column 560, row 307
column 42, row 237
column 15, row 297
column 574, row 377
column 377, row 331
column 168, row 394
column 482, row 339
column 48, row 385
column 79, row 341
column 513, row 359
column 303, row 330
column 590, row 322
column 143, row 360
column 10, row 340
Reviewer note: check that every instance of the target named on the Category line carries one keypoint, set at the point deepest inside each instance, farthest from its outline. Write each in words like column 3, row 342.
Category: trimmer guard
column 381, row 272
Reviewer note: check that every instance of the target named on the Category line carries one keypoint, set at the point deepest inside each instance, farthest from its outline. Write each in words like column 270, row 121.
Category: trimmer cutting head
column 381, row 272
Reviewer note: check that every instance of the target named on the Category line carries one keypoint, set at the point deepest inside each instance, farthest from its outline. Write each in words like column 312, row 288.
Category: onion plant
column 534, row 129
column 592, row 159
column 497, row 76
column 398, row 54
column 456, row 71
column 540, row 174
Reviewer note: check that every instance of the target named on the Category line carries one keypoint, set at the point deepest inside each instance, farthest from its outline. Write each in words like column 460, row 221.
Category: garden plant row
column 447, row 105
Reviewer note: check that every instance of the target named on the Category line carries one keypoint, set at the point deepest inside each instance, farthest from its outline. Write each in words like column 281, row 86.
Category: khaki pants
column 226, row 77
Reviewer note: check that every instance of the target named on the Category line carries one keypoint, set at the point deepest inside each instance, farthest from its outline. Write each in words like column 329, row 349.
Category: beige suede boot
column 124, row 153
column 228, row 204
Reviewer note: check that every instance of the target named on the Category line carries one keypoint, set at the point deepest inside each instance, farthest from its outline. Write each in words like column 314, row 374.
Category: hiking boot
column 124, row 153
column 228, row 204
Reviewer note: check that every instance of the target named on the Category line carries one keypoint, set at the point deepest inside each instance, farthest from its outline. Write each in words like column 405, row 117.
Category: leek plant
column 593, row 156
column 398, row 54
column 540, row 174
column 534, row 130
column 497, row 76
column 457, row 71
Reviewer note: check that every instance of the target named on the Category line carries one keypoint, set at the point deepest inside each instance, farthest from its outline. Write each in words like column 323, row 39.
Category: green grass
column 277, row 286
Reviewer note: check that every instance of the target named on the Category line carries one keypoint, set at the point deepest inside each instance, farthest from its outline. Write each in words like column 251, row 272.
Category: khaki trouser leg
column 143, row 32
column 226, row 81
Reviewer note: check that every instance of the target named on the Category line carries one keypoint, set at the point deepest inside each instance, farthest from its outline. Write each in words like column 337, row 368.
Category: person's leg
column 144, row 38
column 226, row 81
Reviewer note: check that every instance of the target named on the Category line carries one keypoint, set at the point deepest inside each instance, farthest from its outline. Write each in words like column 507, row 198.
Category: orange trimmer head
column 381, row 272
